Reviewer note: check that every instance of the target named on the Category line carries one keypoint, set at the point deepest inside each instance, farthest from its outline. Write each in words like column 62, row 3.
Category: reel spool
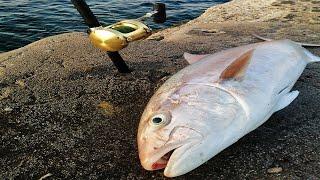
column 117, row 36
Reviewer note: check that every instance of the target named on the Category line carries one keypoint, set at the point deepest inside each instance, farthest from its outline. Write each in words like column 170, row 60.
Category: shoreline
column 65, row 110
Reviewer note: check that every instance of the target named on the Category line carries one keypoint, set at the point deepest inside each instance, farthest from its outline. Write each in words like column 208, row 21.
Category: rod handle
column 118, row 62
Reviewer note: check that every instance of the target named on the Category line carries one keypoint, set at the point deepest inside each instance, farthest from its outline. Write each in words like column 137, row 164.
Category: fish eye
column 156, row 120
column 159, row 119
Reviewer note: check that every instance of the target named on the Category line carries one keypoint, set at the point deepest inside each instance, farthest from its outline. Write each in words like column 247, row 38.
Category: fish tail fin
column 311, row 57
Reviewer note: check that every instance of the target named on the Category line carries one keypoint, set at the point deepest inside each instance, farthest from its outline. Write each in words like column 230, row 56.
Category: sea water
column 25, row 21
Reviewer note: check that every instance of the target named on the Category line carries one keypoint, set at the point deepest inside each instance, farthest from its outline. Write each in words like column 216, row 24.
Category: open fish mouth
column 156, row 158
column 163, row 161
column 171, row 155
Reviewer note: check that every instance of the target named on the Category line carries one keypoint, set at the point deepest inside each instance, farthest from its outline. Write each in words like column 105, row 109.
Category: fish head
column 181, row 126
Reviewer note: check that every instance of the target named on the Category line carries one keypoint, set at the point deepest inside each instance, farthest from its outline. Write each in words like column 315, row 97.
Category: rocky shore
column 66, row 113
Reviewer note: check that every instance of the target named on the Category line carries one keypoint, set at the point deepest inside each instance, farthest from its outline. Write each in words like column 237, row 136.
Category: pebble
column 275, row 170
column 8, row 109
column 2, row 71
column 212, row 31
column 21, row 83
column 5, row 93
column 157, row 38
column 107, row 108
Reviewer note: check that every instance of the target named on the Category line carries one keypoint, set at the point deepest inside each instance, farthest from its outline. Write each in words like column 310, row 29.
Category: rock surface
column 65, row 111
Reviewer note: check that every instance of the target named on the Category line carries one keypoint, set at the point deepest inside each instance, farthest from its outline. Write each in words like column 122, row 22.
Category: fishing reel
column 117, row 36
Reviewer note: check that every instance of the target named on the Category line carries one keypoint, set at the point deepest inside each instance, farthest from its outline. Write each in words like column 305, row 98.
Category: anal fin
column 286, row 100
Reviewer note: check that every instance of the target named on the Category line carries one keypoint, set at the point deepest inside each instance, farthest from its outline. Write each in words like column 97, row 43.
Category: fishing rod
column 117, row 36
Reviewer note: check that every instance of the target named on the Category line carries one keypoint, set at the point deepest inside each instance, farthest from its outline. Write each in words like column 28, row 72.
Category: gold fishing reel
column 117, row 36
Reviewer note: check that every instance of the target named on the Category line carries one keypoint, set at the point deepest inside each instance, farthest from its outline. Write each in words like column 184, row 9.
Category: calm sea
column 25, row 21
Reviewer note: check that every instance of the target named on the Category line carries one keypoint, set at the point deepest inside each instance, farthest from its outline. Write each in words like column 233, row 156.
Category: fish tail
column 311, row 57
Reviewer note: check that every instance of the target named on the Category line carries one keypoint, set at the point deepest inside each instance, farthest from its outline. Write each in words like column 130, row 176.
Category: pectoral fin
column 192, row 58
column 238, row 67
column 286, row 100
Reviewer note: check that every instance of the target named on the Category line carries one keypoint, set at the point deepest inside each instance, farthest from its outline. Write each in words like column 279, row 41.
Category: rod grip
column 86, row 13
column 118, row 62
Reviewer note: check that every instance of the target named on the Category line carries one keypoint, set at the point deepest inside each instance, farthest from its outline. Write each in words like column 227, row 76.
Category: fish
column 216, row 100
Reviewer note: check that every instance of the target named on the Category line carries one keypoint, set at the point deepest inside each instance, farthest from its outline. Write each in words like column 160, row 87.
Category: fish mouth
column 161, row 156
column 156, row 158
column 162, row 162
column 171, row 155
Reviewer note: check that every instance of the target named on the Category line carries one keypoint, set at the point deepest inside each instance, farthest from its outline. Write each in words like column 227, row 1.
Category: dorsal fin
column 192, row 58
column 238, row 67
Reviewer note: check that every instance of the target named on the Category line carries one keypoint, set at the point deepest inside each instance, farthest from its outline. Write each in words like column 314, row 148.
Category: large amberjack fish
column 215, row 101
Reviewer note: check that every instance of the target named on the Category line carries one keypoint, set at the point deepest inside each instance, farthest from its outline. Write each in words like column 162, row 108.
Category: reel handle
column 160, row 15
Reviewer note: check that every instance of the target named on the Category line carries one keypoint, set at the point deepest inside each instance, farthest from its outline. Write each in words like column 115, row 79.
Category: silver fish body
column 216, row 100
